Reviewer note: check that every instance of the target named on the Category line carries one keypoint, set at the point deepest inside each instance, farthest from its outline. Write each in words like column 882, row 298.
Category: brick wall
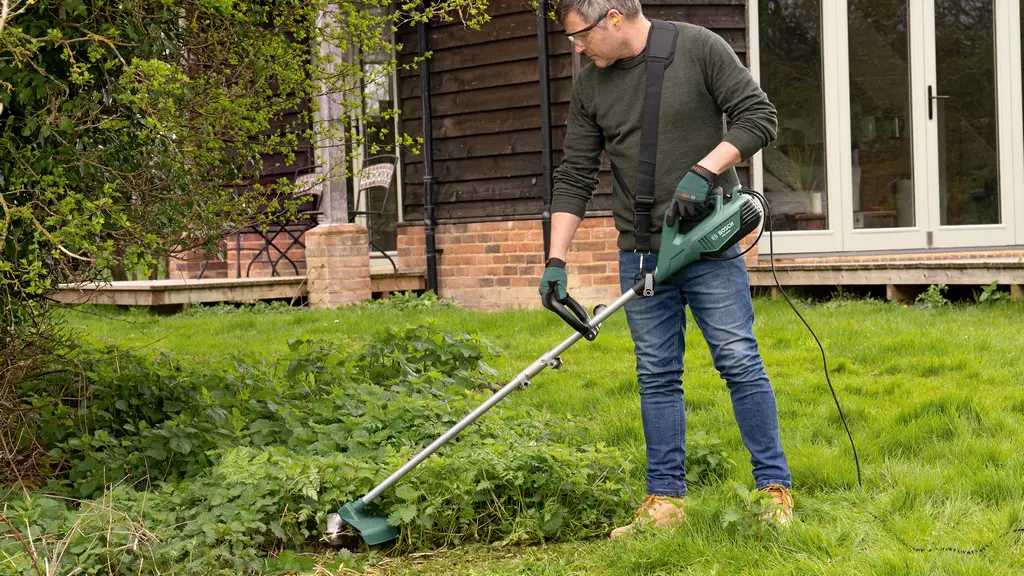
column 484, row 265
column 497, row 265
column 188, row 265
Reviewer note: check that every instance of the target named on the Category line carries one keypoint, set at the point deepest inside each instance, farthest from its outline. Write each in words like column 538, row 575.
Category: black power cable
column 968, row 551
column 771, row 252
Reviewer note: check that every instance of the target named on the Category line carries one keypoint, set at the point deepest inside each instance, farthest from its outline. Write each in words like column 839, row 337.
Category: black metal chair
column 378, row 173
column 308, row 217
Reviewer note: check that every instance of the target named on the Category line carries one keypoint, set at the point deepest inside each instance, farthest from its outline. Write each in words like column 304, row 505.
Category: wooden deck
column 902, row 276
column 177, row 294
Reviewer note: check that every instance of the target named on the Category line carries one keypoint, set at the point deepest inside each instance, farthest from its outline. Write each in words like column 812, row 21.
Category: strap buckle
column 644, row 201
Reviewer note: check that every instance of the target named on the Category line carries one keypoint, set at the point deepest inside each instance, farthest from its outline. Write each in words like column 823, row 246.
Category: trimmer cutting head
column 373, row 529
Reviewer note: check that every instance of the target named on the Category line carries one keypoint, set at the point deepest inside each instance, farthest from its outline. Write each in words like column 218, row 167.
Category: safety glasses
column 579, row 36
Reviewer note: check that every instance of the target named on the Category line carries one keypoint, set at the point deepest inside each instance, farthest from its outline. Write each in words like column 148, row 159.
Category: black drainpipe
column 428, row 162
column 545, row 119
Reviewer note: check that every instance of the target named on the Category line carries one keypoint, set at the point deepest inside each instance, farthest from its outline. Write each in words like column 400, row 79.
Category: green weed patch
column 206, row 467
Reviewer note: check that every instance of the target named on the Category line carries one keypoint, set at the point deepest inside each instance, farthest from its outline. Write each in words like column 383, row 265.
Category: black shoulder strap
column 661, row 47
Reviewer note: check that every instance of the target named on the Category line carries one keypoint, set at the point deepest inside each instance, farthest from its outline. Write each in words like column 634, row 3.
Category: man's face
column 598, row 43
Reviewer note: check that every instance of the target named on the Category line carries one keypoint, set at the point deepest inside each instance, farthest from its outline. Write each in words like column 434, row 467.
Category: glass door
column 968, row 94
column 901, row 122
column 1012, row 27
column 794, row 64
column 884, row 153
column 378, row 208
column 378, row 127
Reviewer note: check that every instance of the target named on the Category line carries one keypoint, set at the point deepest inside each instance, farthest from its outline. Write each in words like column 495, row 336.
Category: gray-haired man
column 704, row 86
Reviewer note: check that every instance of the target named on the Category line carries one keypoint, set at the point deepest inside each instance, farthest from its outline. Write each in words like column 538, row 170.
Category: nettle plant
column 221, row 466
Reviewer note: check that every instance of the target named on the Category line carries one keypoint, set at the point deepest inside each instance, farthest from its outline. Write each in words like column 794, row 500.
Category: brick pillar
column 337, row 265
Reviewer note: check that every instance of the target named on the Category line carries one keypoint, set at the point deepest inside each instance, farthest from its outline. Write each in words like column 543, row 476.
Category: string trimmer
column 733, row 215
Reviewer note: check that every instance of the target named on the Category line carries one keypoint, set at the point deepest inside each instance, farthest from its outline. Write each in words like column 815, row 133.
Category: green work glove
column 554, row 278
column 690, row 200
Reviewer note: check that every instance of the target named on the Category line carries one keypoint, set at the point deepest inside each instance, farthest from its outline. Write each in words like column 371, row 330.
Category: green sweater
column 704, row 86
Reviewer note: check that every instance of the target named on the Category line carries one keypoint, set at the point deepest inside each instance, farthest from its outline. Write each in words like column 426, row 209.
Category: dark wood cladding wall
column 486, row 108
column 295, row 119
column 277, row 166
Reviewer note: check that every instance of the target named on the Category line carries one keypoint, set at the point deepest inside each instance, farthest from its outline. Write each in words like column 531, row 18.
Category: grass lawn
column 934, row 398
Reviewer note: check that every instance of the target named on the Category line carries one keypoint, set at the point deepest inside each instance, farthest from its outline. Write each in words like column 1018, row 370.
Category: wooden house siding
column 276, row 166
column 486, row 111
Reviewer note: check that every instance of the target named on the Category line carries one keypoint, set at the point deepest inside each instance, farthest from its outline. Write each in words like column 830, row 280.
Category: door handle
column 931, row 99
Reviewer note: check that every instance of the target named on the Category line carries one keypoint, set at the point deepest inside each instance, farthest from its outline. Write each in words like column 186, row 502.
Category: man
column 704, row 85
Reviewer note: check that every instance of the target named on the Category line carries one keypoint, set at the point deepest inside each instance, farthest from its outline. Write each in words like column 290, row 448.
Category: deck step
column 181, row 292
column 912, row 273
column 386, row 282
column 902, row 279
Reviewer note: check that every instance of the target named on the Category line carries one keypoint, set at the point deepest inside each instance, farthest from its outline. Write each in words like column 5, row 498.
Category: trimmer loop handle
column 572, row 312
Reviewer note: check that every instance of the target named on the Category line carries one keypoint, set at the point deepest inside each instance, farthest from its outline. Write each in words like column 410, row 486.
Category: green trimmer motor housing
column 733, row 216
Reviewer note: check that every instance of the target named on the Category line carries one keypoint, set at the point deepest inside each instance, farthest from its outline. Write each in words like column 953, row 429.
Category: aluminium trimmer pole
column 549, row 359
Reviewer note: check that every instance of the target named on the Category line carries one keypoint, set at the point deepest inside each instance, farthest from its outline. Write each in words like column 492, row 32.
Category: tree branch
column 9, row 9
column 56, row 243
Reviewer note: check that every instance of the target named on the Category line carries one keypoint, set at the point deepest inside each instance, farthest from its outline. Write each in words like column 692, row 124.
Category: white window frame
column 1002, row 234
column 1016, row 76
column 906, row 238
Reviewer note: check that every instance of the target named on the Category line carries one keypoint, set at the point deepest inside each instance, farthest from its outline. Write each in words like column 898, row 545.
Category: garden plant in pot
column 793, row 179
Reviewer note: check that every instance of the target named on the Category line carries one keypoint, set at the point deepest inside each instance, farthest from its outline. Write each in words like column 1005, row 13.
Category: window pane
column 791, row 75
column 379, row 123
column 883, row 184
column 968, row 161
column 378, row 110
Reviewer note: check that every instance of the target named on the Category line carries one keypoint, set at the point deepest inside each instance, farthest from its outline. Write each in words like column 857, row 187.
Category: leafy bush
column 744, row 517
column 225, row 309
column 408, row 301
column 933, row 296
column 223, row 464
column 990, row 293
column 707, row 461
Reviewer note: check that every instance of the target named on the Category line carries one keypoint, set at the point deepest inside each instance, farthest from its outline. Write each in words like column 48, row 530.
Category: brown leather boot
column 784, row 500
column 660, row 510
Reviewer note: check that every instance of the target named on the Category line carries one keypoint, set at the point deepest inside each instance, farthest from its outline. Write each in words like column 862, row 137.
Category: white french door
column 969, row 118
column 921, row 111
column 884, row 155
column 1015, row 21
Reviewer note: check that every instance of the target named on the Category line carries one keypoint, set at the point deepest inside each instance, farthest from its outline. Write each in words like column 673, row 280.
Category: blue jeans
column 718, row 293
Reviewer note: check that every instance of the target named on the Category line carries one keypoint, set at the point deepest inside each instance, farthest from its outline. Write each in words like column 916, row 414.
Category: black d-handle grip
column 575, row 316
